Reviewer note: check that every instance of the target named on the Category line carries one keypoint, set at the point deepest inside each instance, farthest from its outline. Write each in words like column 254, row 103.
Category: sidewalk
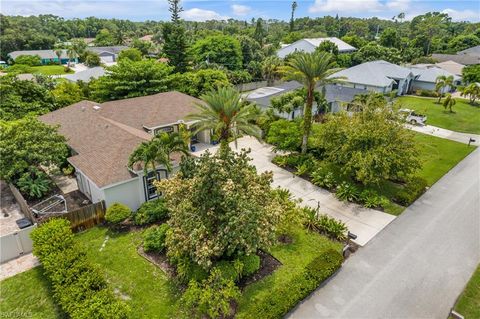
column 18, row 265
column 363, row 222
column 444, row 133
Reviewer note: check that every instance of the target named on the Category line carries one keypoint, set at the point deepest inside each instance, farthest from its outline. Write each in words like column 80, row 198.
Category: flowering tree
column 223, row 209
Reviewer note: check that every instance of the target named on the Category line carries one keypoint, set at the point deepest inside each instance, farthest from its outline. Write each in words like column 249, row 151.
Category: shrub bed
column 78, row 286
column 150, row 212
column 117, row 213
column 154, row 238
column 283, row 298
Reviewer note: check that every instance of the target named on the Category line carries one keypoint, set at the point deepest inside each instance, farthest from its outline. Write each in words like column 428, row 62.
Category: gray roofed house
column 108, row 54
column 475, row 51
column 426, row 78
column 46, row 56
column 309, row 45
column 86, row 75
column 378, row 76
column 465, row 59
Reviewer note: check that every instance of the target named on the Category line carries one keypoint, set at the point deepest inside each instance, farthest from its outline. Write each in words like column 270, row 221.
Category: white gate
column 16, row 244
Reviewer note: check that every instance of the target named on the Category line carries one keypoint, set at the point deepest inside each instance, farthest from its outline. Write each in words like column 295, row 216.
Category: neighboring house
column 473, row 51
column 466, row 57
column 426, row 78
column 86, row 75
column 377, row 76
column 309, row 45
column 335, row 95
column 451, row 66
column 108, row 54
column 147, row 38
column 46, row 56
column 102, row 137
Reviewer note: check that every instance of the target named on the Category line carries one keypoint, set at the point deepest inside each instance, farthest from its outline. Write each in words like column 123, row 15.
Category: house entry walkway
column 363, row 222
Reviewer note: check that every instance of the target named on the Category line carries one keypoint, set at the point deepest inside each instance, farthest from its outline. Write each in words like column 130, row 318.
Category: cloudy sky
column 201, row 10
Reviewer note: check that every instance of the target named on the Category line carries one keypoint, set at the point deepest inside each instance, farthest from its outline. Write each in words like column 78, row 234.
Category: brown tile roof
column 104, row 135
column 151, row 110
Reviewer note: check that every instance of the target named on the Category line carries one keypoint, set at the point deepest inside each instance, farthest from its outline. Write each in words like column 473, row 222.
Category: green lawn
column 465, row 119
column 50, row 70
column 468, row 303
column 438, row 156
column 146, row 288
column 27, row 295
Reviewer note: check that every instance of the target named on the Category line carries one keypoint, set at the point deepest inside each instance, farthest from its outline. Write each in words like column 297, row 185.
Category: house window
column 150, row 189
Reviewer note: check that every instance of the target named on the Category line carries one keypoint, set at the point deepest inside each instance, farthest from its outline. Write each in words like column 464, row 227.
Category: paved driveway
column 363, row 222
column 418, row 265
column 444, row 133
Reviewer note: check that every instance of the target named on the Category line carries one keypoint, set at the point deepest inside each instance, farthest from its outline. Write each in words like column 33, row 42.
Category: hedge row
column 78, row 286
column 283, row 298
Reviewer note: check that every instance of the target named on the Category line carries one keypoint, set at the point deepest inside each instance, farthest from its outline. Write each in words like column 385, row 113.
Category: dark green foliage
column 92, row 59
column 151, row 212
column 117, row 213
column 230, row 270
column 30, row 60
column 29, row 143
column 34, row 183
column 188, row 270
column 414, row 188
column 131, row 53
column 238, row 77
column 154, row 238
column 332, row 227
column 199, row 82
column 371, row 199
column 426, row 93
column 220, row 49
column 347, row 191
column 175, row 45
column 211, row 298
column 471, row 73
column 285, row 135
column 251, row 264
column 78, row 286
column 283, row 298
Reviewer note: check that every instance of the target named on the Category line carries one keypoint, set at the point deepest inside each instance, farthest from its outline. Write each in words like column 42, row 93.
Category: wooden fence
column 84, row 217
column 22, row 203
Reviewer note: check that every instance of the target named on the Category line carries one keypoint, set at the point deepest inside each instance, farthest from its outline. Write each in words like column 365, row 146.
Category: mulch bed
column 159, row 260
column 268, row 264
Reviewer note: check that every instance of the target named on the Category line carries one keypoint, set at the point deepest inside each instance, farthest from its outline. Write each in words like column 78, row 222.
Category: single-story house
column 451, row 66
column 474, row 51
column 46, row 56
column 377, row 76
column 86, row 75
column 426, row 78
column 309, row 45
column 335, row 96
column 102, row 137
column 108, row 54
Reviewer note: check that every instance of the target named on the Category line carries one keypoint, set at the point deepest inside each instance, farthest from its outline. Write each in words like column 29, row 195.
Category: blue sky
column 270, row 9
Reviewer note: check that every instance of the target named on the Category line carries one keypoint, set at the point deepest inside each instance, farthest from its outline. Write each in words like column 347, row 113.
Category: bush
column 30, row 60
column 68, row 170
column 154, row 238
column 117, row 213
column 251, row 264
column 19, row 69
column 188, row 270
column 78, row 287
column 323, row 178
column 285, row 135
column 331, row 227
column 426, row 93
column 211, row 298
column 150, row 212
column 414, row 188
column 283, row 298
column 371, row 199
column 35, row 184
column 230, row 270
column 347, row 191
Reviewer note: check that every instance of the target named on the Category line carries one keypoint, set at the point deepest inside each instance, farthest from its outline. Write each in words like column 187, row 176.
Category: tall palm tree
column 310, row 69
column 225, row 114
column 449, row 102
column 442, row 82
column 157, row 151
column 71, row 53
column 472, row 91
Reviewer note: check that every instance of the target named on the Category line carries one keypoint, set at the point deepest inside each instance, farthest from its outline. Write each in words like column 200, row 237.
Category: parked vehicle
column 413, row 118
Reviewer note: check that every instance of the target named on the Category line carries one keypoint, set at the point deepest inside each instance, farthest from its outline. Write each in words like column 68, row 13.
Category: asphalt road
column 418, row 265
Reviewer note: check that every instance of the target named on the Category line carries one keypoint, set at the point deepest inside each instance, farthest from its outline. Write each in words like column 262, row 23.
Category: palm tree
column 226, row 115
column 310, row 69
column 442, row 82
column 472, row 91
column 58, row 53
column 71, row 53
column 270, row 69
column 157, row 152
column 449, row 102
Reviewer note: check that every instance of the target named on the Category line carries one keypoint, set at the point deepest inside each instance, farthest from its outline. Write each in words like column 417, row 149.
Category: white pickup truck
column 413, row 118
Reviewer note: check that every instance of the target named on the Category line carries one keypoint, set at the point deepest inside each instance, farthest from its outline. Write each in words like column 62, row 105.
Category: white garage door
column 106, row 59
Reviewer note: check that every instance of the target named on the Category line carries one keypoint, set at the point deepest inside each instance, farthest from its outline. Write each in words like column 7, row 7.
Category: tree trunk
column 307, row 117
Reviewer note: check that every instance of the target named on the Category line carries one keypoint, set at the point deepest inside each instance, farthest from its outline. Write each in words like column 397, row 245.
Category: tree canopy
column 219, row 49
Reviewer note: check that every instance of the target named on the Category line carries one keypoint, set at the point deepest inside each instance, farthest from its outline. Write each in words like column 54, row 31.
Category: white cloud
column 399, row 5
column 462, row 15
column 240, row 10
column 356, row 6
column 197, row 14
column 345, row 6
